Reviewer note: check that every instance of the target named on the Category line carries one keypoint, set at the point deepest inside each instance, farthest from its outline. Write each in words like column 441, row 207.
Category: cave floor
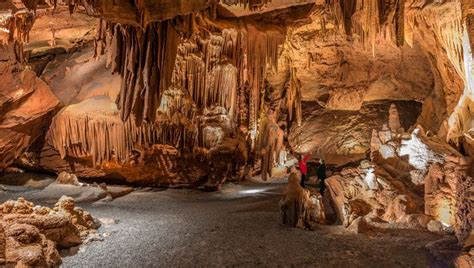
column 239, row 226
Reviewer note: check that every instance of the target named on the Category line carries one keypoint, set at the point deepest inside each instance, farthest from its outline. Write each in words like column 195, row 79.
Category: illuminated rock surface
column 32, row 235
column 197, row 94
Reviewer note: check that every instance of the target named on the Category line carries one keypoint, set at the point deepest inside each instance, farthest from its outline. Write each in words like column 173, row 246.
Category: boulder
column 359, row 226
column 67, row 178
column 435, row 226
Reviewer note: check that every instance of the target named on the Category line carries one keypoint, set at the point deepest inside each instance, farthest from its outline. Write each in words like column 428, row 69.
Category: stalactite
column 145, row 60
column 371, row 19
column 366, row 20
column 103, row 137
column 448, row 33
column 347, row 8
column 100, row 40
column 20, row 25
column 400, row 22
column 261, row 52
column 214, row 66
column 293, row 98
column 223, row 87
column 223, row 69
column 250, row 4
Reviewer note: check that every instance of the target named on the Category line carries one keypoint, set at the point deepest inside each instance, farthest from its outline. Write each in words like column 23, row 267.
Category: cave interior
column 171, row 133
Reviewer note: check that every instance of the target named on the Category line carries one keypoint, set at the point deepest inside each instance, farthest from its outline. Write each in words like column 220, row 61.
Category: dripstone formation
column 196, row 93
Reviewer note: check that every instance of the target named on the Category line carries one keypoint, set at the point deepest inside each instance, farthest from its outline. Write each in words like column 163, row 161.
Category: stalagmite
column 269, row 144
column 298, row 207
column 394, row 119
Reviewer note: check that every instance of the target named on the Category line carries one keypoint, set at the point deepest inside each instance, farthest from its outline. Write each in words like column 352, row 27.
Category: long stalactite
column 144, row 59
column 101, row 135
column 170, row 85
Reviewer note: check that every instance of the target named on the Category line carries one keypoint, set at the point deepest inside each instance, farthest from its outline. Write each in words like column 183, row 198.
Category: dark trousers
column 303, row 178
column 322, row 187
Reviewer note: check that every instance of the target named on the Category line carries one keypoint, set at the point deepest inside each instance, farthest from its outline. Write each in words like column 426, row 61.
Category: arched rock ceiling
column 200, row 78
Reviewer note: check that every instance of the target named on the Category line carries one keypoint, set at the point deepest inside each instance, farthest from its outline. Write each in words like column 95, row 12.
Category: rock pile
column 371, row 192
column 30, row 235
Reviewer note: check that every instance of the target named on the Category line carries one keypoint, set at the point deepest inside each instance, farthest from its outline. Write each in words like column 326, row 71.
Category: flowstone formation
column 30, row 236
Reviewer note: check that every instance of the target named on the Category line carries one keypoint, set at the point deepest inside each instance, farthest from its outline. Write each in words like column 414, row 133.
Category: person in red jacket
column 303, row 167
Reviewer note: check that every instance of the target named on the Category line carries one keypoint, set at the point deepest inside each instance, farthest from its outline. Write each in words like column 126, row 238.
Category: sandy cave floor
column 239, row 226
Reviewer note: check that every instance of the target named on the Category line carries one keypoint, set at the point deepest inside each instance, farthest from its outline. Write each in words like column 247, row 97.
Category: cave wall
column 208, row 81
column 202, row 109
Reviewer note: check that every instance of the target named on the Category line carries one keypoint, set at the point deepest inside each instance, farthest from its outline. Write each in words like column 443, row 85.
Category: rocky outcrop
column 299, row 207
column 369, row 191
column 411, row 179
column 26, row 108
column 30, row 236
column 345, row 132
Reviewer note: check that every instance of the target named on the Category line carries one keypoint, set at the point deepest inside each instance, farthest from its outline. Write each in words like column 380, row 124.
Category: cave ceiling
column 197, row 93
column 214, row 77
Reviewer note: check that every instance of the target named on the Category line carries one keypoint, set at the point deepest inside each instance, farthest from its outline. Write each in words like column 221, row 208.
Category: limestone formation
column 179, row 93
column 297, row 206
column 26, row 105
column 30, row 236
column 447, row 190
column 386, row 191
column 66, row 178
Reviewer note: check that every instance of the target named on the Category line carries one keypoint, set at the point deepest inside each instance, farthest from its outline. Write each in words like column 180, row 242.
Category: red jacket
column 302, row 164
